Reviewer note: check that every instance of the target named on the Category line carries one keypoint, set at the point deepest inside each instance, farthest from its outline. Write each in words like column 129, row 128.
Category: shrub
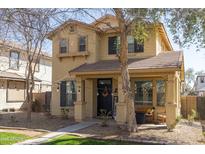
column 65, row 112
column 178, row 118
column 192, row 117
column 104, row 115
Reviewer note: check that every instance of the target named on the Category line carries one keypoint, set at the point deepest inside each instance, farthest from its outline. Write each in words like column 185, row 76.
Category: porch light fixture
column 58, row 87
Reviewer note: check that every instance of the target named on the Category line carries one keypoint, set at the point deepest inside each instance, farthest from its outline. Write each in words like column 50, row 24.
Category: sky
column 192, row 58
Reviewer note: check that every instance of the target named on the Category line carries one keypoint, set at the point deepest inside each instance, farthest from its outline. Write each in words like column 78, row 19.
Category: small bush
column 178, row 118
column 104, row 115
column 192, row 117
column 65, row 112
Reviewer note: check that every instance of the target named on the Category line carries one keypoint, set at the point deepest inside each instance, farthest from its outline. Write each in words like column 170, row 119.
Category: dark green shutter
column 63, row 94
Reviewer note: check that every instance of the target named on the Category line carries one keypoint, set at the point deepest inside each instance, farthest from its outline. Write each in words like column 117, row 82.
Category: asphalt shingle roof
column 162, row 60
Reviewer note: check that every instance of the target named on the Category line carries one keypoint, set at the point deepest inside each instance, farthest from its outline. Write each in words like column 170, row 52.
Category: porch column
column 178, row 94
column 89, row 98
column 79, row 107
column 171, row 106
column 121, row 107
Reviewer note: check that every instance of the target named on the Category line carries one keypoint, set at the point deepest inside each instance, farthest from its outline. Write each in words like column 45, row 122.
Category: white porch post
column 79, row 106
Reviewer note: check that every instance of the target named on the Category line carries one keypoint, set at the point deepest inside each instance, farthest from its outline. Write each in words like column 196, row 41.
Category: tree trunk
column 28, row 93
column 131, row 120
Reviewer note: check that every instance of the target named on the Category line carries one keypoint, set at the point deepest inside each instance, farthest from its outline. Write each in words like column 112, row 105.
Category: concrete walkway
column 60, row 132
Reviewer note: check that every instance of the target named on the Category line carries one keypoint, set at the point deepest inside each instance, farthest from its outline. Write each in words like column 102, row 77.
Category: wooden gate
column 193, row 102
column 201, row 107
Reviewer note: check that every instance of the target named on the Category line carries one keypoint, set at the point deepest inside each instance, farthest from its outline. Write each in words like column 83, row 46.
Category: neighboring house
column 12, row 75
column 200, row 85
column 86, row 72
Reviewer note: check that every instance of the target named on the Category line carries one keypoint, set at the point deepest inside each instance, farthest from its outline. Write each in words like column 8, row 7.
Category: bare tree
column 29, row 27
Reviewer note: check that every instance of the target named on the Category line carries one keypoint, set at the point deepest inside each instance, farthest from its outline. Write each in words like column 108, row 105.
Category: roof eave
column 131, row 70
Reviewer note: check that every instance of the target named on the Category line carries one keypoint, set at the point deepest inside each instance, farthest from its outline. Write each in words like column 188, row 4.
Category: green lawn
column 76, row 140
column 11, row 138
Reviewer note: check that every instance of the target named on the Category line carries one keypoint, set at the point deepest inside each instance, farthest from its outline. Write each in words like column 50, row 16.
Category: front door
column 104, row 96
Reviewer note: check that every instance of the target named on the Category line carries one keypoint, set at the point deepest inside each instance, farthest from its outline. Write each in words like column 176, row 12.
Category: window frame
column 10, row 59
column 202, row 79
column 8, row 99
column 84, row 45
column 66, row 46
column 148, row 102
column 113, row 51
column 66, row 94
column 161, row 105
column 138, row 48
column 133, row 44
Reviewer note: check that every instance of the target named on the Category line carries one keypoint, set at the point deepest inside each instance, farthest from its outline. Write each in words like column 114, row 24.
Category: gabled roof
column 69, row 22
column 20, row 48
column 161, row 61
column 101, row 19
column 94, row 27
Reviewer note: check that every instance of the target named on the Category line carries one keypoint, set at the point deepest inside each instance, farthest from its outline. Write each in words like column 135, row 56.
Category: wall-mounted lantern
column 58, row 87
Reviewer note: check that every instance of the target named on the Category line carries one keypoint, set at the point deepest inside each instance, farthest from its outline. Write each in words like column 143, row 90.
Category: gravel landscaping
column 40, row 122
column 184, row 133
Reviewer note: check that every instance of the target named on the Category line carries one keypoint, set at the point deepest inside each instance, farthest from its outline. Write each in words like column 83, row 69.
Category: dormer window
column 63, row 44
column 82, row 43
column 133, row 46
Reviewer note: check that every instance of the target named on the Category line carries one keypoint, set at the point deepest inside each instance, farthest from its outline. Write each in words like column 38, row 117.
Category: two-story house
column 86, row 72
column 200, row 85
column 12, row 75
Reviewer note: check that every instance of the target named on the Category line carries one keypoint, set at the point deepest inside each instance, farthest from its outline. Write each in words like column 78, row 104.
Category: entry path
column 60, row 132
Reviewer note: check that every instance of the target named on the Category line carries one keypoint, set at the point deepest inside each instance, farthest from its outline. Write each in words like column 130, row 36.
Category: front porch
column 158, row 90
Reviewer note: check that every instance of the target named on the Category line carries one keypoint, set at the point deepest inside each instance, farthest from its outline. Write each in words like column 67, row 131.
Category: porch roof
column 162, row 60
column 14, row 76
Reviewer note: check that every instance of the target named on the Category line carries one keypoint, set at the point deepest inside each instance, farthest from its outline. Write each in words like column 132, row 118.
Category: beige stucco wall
column 149, row 47
column 63, row 63
column 97, row 49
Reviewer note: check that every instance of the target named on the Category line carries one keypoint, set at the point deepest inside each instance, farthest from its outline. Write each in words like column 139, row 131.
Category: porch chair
column 149, row 115
column 161, row 117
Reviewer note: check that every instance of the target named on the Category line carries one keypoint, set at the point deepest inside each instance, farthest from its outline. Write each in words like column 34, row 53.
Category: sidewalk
column 59, row 132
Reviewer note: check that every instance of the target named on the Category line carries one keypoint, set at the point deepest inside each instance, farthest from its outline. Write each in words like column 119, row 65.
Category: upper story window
column 133, row 46
column 82, row 43
column 113, row 45
column 14, row 60
column 202, row 79
column 63, row 46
